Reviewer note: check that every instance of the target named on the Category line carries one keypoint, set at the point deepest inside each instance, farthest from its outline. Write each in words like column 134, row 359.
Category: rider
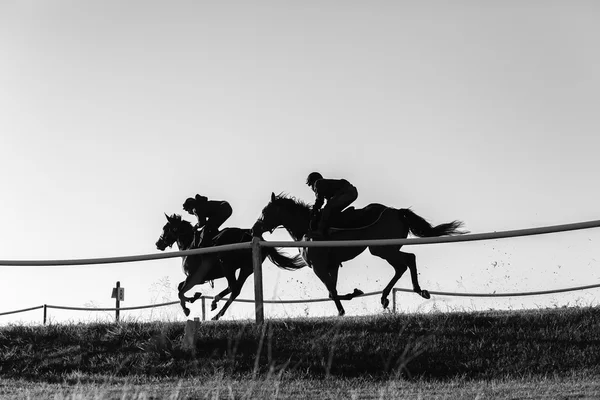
column 211, row 215
column 339, row 194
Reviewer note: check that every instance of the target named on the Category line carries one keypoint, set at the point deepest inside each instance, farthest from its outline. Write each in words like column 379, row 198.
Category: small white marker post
column 118, row 293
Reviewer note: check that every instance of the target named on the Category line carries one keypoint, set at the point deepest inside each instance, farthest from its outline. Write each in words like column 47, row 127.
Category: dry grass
column 526, row 354
column 221, row 387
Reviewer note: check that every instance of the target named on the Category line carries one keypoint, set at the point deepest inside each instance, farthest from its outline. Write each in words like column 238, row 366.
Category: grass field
column 552, row 353
column 575, row 387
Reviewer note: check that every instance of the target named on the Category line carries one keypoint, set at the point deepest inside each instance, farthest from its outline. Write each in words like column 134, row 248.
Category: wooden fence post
column 117, row 302
column 203, row 308
column 258, row 288
column 45, row 313
column 190, row 336
column 394, row 300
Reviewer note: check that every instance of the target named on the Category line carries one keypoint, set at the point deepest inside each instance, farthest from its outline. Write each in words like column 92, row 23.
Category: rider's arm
column 321, row 189
column 201, row 221
column 318, row 203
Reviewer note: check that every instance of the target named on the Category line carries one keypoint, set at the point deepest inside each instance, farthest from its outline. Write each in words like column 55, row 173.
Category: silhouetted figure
column 211, row 215
column 374, row 221
column 339, row 194
column 207, row 267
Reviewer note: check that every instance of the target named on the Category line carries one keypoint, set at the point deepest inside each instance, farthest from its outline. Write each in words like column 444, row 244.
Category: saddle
column 232, row 236
column 352, row 218
column 223, row 236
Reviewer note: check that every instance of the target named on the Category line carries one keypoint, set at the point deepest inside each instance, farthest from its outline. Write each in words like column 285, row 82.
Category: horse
column 375, row 221
column 207, row 267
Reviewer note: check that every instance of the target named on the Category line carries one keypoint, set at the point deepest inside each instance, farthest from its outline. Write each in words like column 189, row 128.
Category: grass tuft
column 438, row 346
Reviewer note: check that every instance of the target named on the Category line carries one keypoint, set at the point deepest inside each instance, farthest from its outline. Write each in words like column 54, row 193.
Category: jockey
column 211, row 215
column 339, row 194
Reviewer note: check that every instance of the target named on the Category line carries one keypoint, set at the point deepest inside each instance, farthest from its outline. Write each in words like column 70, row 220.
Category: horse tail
column 284, row 261
column 419, row 227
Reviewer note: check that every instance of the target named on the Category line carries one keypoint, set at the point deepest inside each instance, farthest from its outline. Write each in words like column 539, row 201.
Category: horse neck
column 185, row 239
column 184, row 244
column 297, row 225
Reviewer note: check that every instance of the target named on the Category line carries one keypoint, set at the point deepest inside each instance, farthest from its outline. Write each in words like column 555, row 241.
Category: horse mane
column 178, row 218
column 175, row 216
column 291, row 202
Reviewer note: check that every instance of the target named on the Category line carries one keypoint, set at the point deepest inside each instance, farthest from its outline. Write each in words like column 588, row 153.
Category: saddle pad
column 352, row 218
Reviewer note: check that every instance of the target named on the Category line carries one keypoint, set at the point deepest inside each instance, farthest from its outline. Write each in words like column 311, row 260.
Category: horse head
column 270, row 218
column 170, row 233
column 282, row 210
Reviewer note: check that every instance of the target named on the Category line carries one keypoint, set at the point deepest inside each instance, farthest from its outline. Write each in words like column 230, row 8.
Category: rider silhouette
column 211, row 215
column 339, row 194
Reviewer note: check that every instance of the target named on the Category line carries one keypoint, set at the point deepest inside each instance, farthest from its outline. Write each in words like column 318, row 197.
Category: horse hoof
column 385, row 303
column 215, row 318
column 425, row 294
column 186, row 311
column 213, row 306
column 358, row 292
column 197, row 295
column 341, row 313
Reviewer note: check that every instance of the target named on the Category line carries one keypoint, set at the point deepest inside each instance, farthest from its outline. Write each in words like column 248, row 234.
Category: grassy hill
column 437, row 346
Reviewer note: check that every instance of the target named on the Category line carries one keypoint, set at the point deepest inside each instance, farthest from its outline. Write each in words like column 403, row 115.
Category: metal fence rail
column 302, row 301
column 256, row 244
column 324, row 243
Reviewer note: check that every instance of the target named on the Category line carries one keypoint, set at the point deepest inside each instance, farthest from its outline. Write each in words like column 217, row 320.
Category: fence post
column 394, row 300
column 117, row 302
column 203, row 308
column 258, row 288
column 45, row 313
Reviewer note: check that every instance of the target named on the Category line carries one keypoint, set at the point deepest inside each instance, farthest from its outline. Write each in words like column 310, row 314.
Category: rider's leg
column 219, row 216
column 334, row 205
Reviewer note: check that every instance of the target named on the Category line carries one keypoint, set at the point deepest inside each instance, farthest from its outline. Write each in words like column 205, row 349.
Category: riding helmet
column 189, row 203
column 313, row 177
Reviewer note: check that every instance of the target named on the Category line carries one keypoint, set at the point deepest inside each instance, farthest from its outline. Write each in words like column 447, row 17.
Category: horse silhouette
column 202, row 268
column 375, row 221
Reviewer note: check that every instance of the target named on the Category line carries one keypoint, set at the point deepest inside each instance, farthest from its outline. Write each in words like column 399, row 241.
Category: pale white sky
column 112, row 113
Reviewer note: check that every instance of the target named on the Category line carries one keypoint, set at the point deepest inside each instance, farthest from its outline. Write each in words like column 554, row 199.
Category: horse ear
column 272, row 196
column 171, row 218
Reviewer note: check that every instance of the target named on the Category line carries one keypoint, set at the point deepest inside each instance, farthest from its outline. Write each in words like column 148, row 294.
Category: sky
column 113, row 113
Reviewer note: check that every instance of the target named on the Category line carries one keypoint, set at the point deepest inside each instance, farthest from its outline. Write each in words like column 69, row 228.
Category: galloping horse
column 207, row 267
column 375, row 221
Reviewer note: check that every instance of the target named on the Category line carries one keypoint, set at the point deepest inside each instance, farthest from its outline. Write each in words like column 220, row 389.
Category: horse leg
column 334, row 278
column 401, row 262
column 192, row 280
column 213, row 304
column 322, row 272
column 182, row 299
column 179, row 287
column 349, row 296
column 236, row 288
column 229, row 274
column 412, row 266
column 197, row 295
column 184, row 287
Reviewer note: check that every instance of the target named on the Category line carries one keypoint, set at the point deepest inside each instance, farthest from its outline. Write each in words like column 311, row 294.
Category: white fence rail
column 45, row 307
column 256, row 244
